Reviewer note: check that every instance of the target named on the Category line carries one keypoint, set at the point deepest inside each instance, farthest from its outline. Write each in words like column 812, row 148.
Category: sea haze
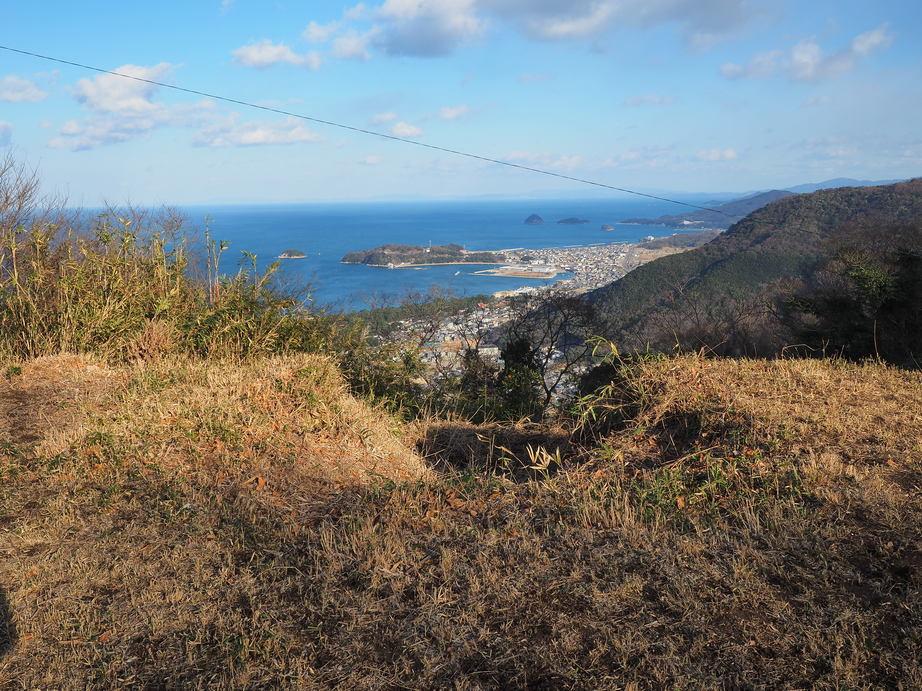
column 325, row 232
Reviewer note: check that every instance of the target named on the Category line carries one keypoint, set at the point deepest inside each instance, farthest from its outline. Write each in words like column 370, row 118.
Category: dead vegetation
column 179, row 522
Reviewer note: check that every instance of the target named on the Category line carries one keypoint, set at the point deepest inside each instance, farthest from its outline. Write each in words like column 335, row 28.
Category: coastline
column 414, row 266
column 583, row 267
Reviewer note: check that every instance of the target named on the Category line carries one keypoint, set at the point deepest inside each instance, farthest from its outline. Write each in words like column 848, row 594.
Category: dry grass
column 753, row 524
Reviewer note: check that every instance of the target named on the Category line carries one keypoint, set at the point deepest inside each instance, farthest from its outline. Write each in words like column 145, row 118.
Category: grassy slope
column 192, row 523
column 782, row 240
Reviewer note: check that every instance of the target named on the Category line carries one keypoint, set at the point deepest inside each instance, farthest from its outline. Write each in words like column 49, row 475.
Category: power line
column 360, row 130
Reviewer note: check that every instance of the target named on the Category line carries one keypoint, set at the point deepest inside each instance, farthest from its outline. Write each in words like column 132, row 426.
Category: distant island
column 396, row 256
column 534, row 220
column 292, row 254
column 572, row 221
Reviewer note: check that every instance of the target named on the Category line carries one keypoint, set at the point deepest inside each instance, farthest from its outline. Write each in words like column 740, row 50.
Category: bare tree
column 558, row 326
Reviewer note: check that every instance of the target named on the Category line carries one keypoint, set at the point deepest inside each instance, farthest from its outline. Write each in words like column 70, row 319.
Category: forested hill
column 722, row 216
column 783, row 242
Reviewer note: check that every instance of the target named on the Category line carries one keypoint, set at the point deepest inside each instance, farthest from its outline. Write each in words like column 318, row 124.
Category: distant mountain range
column 835, row 183
column 784, row 241
column 723, row 215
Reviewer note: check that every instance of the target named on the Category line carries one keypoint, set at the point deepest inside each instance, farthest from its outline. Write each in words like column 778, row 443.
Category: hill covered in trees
column 398, row 255
column 725, row 295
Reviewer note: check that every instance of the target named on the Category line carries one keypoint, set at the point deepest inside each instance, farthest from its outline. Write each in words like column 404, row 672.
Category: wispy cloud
column 406, row 130
column 15, row 89
column 353, row 45
column 123, row 109
column 6, row 133
column 652, row 100
column 272, row 133
column 643, row 157
column 320, row 33
column 561, row 162
column 266, row 53
column 454, row 112
column 717, row 154
column 806, row 60
column 382, row 118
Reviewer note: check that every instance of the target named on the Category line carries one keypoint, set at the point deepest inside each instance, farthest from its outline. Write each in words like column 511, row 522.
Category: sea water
column 325, row 232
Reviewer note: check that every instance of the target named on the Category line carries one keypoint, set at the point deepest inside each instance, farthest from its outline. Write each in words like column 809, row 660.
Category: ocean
column 325, row 232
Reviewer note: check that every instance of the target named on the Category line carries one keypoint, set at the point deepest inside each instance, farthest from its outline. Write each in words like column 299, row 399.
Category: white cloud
column 104, row 128
column 806, row 60
column 15, row 89
column 591, row 20
column 353, row 45
column 265, row 53
column 100, row 131
column 562, row 162
column 108, row 93
column 717, row 154
column 427, row 27
column 235, row 133
column 355, row 12
column 6, row 133
column 226, row 6
column 454, row 112
column 655, row 100
column 123, row 109
column 762, row 65
column 320, row 33
column 826, row 148
column 645, row 157
column 382, row 118
column 371, row 160
column 870, row 41
column 703, row 21
column 405, row 130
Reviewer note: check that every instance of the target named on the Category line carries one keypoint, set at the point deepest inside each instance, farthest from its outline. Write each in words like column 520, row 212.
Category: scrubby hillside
column 710, row 522
column 725, row 282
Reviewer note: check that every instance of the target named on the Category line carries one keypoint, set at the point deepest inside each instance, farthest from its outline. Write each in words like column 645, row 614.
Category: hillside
column 201, row 523
column 204, row 483
column 723, row 215
column 783, row 241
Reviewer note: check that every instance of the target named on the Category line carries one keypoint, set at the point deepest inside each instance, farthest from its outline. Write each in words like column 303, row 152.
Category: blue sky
column 681, row 95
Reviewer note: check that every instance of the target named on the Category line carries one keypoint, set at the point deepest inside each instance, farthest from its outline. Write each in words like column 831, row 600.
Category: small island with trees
column 292, row 254
column 397, row 256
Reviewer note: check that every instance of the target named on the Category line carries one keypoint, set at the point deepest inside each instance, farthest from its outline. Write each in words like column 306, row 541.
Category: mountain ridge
column 782, row 241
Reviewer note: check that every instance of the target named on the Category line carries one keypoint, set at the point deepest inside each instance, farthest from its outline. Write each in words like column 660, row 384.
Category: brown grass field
column 179, row 522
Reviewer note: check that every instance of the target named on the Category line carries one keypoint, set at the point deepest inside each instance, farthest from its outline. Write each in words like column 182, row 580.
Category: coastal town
column 585, row 268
